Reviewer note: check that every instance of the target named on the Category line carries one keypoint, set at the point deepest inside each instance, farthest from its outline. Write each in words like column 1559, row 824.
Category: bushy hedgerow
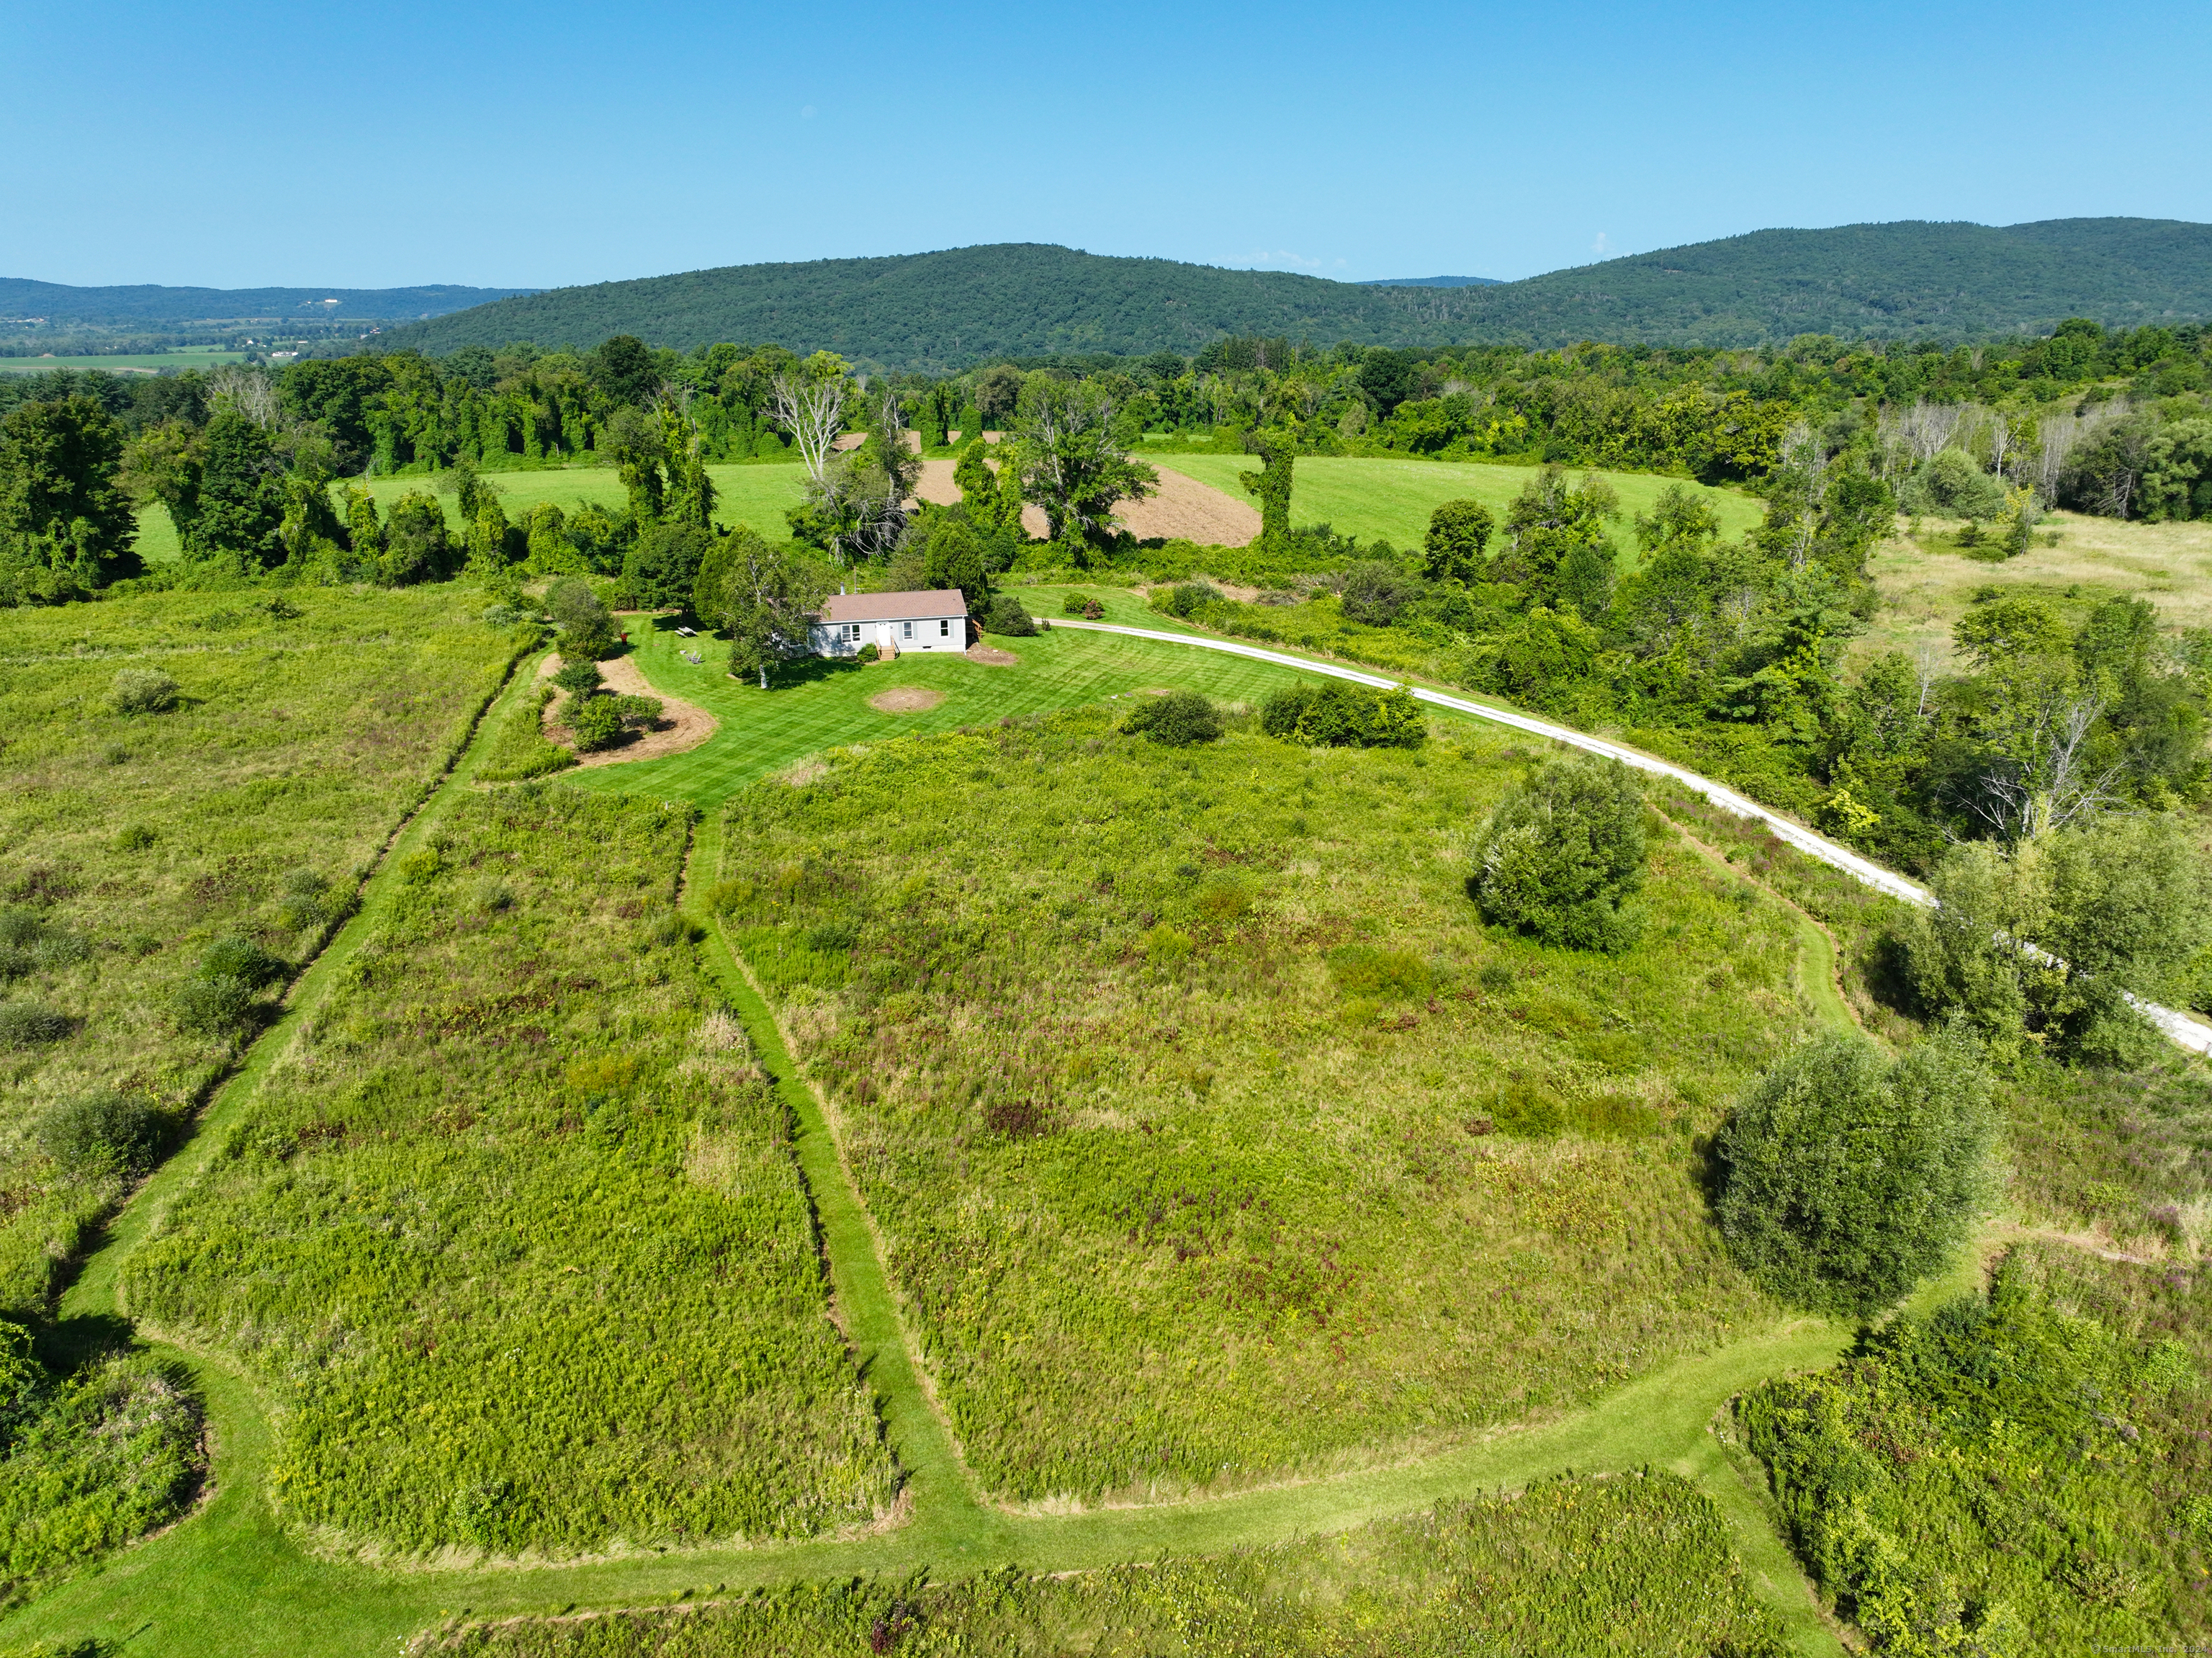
column 1341, row 714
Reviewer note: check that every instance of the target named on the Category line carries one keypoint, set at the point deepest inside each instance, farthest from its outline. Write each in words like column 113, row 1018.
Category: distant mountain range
column 944, row 310
column 147, row 306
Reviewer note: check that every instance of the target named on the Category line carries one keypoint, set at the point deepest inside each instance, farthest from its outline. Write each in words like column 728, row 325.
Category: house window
column 856, row 630
column 909, row 630
column 944, row 627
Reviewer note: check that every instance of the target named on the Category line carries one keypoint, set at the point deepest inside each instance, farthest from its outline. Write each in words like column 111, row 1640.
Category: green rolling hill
column 960, row 306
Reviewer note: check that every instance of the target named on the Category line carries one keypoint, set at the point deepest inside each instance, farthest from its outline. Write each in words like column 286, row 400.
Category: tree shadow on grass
column 810, row 670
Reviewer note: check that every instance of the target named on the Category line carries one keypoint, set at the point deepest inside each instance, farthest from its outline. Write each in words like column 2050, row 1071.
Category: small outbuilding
column 891, row 622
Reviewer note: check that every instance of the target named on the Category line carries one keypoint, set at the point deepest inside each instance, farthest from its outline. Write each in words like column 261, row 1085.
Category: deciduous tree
column 66, row 524
column 762, row 598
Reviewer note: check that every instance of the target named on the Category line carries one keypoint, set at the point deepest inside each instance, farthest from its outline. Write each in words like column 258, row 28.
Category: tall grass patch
column 2024, row 1471
column 190, row 788
column 1211, row 1132
column 513, row 1229
column 1630, row 1564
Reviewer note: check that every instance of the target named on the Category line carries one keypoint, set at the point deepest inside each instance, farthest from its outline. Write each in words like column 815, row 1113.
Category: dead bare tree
column 2048, row 784
column 1925, row 665
column 810, row 404
column 250, row 392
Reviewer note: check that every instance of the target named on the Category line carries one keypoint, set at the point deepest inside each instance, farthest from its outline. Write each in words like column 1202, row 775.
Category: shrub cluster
column 143, row 690
column 1339, row 714
column 1008, row 615
column 1563, row 856
column 1185, row 598
column 307, row 901
column 588, row 631
column 1844, row 1179
column 2005, row 1475
column 101, row 1133
column 87, row 1461
column 29, row 943
column 599, row 722
column 1179, row 720
column 579, row 677
column 217, row 997
column 27, row 1025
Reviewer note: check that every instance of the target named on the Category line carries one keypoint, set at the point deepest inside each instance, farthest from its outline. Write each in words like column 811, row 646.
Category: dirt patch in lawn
column 990, row 655
column 1184, row 508
column 682, row 725
column 905, row 699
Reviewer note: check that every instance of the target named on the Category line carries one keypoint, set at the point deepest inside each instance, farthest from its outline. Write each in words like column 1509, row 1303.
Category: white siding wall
column 930, row 633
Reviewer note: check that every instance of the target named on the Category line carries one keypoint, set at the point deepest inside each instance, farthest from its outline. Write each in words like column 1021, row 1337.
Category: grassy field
column 1211, row 1133
column 1632, row 1563
column 818, row 704
column 512, row 1230
column 1392, row 499
column 753, row 494
column 130, row 843
column 1927, row 582
column 150, row 360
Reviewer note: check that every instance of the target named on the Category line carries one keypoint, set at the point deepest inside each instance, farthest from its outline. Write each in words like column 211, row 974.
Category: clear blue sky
column 386, row 145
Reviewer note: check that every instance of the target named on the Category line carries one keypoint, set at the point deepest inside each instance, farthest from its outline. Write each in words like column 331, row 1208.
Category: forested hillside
column 1906, row 281
column 945, row 310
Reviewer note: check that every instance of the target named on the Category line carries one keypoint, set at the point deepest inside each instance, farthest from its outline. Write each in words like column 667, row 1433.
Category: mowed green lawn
column 817, row 706
column 1392, row 499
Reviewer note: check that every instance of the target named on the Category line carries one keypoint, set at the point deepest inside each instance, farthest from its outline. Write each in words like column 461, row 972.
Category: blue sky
column 388, row 144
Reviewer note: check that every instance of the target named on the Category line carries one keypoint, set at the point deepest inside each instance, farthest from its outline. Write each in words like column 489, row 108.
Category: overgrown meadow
column 513, row 1228
column 1632, row 1563
column 1211, row 1133
column 2020, row 1472
column 302, row 730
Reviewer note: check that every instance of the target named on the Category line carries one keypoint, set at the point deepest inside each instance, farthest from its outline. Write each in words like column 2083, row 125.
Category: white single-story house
column 891, row 622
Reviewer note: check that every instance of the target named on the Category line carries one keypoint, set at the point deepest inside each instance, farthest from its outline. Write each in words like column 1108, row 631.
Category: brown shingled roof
column 893, row 607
